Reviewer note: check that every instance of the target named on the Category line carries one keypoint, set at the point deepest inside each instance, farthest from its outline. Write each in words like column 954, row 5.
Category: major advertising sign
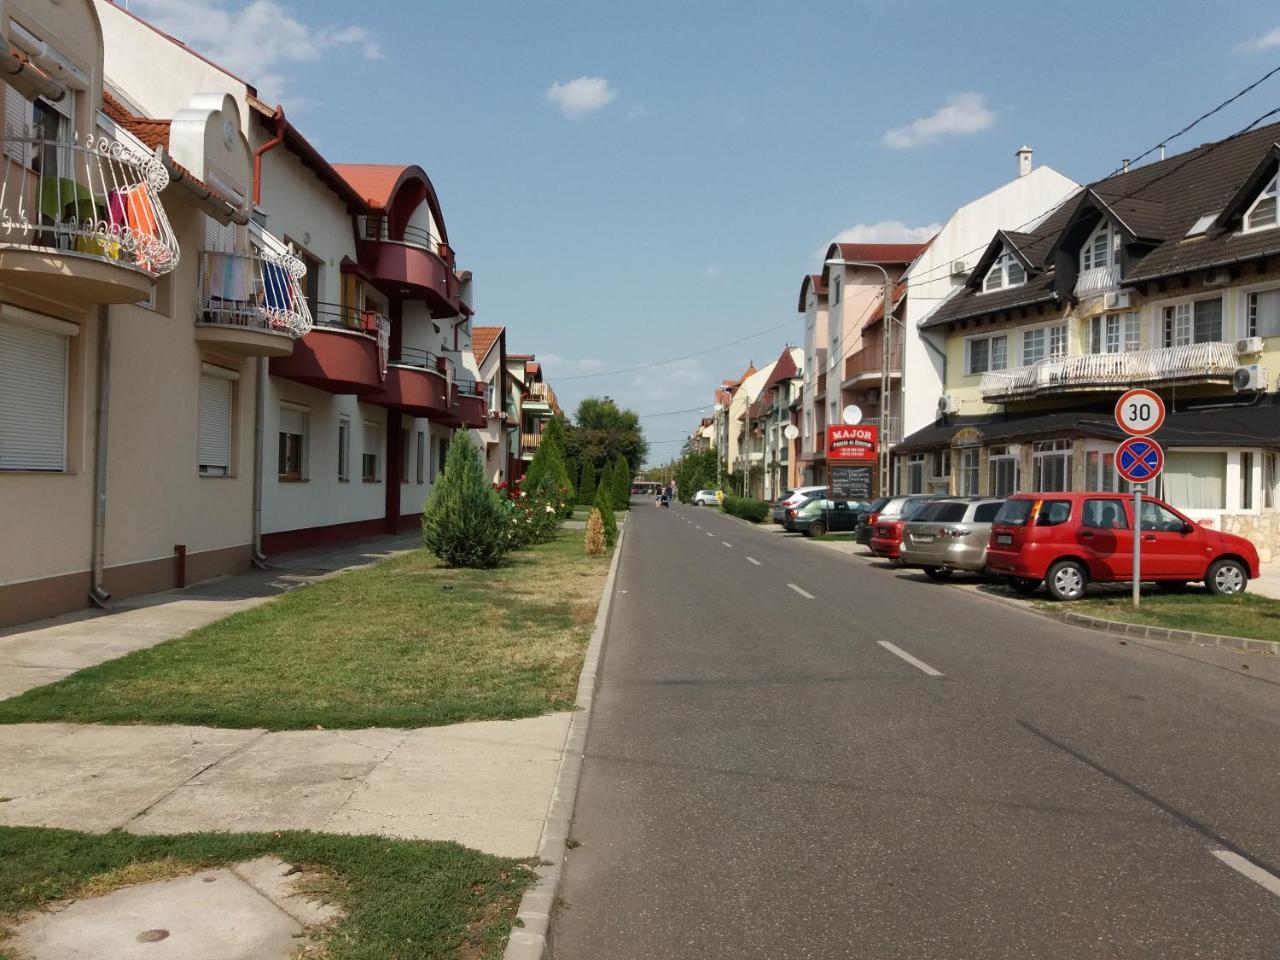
column 858, row 442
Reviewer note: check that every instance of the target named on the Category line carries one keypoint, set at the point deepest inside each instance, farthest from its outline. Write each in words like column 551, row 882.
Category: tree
column 601, row 433
column 587, row 484
column 595, row 537
column 621, row 480
column 604, row 506
column 548, row 464
column 465, row 522
column 606, row 480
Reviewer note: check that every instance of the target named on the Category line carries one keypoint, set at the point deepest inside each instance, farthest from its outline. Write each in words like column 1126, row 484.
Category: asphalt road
column 764, row 777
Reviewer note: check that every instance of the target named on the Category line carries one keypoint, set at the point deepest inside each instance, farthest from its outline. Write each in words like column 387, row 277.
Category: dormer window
column 1007, row 271
column 1100, row 250
column 1263, row 212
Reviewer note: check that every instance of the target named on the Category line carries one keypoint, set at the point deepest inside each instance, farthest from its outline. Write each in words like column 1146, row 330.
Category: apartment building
column 813, row 403
column 776, row 409
column 495, row 438
column 1165, row 276
column 534, row 404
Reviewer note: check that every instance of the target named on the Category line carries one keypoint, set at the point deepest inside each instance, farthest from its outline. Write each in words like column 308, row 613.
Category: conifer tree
column 587, row 485
column 465, row 522
column 621, row 481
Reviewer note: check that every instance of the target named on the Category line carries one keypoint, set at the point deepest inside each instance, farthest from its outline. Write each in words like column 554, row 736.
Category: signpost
column 852, row 450
column 1139, row 460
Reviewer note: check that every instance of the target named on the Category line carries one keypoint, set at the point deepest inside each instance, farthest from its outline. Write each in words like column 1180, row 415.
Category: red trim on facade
column 421, row 393
column 398, row 266
column 334, row 361
column 287, row 540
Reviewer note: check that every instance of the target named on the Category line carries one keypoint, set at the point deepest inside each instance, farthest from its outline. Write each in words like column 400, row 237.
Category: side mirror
column 1188, row 527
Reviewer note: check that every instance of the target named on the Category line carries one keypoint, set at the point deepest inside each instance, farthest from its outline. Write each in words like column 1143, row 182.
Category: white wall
column 964, row 237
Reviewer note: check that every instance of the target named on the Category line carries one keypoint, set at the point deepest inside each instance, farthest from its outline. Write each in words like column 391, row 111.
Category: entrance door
column 1107, row 538
column 1168, row 552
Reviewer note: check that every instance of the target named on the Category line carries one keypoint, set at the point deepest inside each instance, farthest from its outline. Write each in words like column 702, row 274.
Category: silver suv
column 949, row 535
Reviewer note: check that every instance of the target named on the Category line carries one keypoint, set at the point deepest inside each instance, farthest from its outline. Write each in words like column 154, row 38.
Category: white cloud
column 566, row 365
column 1261, row 43
column 638, row 112
column 581, row 97
column 886, row 231
column 962, row 114
column 711, row 273
column 257, row 40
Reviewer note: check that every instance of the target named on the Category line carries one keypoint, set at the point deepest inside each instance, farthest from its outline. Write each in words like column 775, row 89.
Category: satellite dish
column 791, row 431
column 852, row 414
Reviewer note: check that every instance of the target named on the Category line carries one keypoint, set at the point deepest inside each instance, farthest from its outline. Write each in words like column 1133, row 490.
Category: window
column 1195, row 481
column 969, row 472
column 1263, row 314
column 1156, row 517
column 1263, row 212
column 1196, row 322
column 443, row 452
column 33, row 396
column 369, row 457
column 1270, row 480
column 987, row 353
column 1006, row 271
column 835, row 290
column 1100, row 472
column 1051, row 460
column 1044, row 343
column 213, row 440
column 941, row 469
column 1099, row 250
column 1115, row 333
column 344, row 448
column 986, row 512
column 1246, row 480
column 405, row 439
column 1053, row 513
column 915, row 473
column 1104, row 515
column 1003, row 471
column 420, row 473
column 292, row 462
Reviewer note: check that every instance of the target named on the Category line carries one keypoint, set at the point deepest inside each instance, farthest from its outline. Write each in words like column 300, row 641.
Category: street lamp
column 886, row 398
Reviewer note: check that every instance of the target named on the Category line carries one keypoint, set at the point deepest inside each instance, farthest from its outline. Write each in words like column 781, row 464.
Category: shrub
column 595, row 540
column 587, row 485
column 621, row 481
column 747, row 508
column 465, row 522
column 604, row 504
column 548, row 466
column 536, row 511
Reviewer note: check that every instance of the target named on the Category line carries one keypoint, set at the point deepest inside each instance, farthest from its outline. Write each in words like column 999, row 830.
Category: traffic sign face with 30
column 1139, row 460
column 1140, row 413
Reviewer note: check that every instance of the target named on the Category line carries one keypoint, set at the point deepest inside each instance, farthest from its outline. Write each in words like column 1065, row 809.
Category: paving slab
column 244, row 912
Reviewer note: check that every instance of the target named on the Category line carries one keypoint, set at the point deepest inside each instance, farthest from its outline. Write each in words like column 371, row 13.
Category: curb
column 532, row 939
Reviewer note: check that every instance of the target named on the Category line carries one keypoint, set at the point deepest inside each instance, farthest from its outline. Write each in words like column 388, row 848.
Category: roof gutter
column 25, row 76
column 209, row 198
column 281, row 125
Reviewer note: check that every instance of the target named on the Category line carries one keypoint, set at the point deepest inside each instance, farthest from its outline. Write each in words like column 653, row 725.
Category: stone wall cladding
column 1262, row 529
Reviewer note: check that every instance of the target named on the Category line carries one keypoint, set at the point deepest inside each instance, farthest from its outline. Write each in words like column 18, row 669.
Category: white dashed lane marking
column 753, row 560
column 918, row 664
column 804, row 593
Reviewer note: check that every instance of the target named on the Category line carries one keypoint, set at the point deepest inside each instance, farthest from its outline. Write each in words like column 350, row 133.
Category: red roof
column 819, row 285
column 375, row 182
column 482, row 341
column 783, row 369
column 877, row 252
column 154, row 133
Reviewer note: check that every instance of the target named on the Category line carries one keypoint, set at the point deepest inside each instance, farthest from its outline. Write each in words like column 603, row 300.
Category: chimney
column 1024, row 160
column 1124, row 166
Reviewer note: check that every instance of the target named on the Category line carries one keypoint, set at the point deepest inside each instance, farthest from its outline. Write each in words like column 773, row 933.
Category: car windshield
column 1015, row 513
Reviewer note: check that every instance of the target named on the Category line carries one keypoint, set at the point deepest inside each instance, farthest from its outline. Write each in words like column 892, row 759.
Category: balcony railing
column 471, row 388
column 1095, row 282
column 253, row 291
column 341, row 316
column 890, row 428
column 1189, row 362
column 529, row 441
column 96, row 199
column 381, row 228
column 870, row 359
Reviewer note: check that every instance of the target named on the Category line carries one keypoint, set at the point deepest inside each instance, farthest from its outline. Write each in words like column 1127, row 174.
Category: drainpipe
column 281, row 125
column 98, row 594
column 258, row 558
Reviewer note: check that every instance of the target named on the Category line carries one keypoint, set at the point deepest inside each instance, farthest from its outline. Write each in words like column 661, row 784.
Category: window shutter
column 370, row 438
column 293, row 420
column 17, row 123
column 215, row 424
column 33, row 398
column 1268, row 313
column 219, row 237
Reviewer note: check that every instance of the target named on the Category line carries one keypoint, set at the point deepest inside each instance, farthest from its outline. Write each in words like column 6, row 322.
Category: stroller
column 665, row 499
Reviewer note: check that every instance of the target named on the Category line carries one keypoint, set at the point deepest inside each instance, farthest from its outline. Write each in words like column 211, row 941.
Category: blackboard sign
column 849, row 483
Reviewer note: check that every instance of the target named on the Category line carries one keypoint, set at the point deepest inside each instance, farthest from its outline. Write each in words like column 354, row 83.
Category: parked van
column 1066, row 540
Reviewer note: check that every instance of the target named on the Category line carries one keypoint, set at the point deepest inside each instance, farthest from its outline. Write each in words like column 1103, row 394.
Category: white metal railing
column 96, row 198
column 1187, row 362
column 890, row 428
column 1099, row 280
column 255, row 291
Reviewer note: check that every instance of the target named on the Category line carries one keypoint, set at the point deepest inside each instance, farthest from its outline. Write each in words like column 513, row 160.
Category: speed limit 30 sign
column 1140, row 413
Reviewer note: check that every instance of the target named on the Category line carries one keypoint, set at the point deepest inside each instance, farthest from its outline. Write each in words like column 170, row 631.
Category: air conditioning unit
column 1249, row 345
column 947, row 404
column 873, row 395
column 959, row 268
column 1253, row 376
column 1118, row 301
column 1218, row 278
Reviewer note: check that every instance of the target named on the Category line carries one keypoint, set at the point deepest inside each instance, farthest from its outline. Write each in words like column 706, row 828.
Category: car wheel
column 1066, row 580
column 1172, row 586
column 1024, row 586
column 1226, row 578
column 816, row 529
column 938, row 573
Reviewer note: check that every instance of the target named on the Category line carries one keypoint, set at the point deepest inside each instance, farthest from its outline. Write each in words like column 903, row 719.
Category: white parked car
column 704, row 497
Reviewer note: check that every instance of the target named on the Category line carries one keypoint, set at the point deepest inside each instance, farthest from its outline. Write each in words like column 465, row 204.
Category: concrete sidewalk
column 34, row 654
column 486, row 784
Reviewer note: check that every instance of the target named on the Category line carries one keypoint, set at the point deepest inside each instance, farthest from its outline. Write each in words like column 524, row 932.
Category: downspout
column 258, row 558
column 281, row 125
column 98, row 594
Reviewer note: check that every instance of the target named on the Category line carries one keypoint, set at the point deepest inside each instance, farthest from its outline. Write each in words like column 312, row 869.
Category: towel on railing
column 133, row 208
column 229, row 277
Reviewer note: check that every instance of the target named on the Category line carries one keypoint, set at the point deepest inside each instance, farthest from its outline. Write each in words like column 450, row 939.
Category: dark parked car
column 886, row 535
column 818, row 515
column 862, row 533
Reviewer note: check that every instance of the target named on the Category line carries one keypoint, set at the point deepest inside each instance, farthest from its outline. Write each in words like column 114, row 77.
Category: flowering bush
column 536, row 511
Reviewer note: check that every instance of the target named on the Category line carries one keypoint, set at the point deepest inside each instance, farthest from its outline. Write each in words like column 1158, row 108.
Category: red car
column 1066, row 540
column 886, row 524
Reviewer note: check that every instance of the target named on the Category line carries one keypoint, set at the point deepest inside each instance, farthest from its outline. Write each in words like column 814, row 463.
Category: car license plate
column 1004, row 539
column 923, row 538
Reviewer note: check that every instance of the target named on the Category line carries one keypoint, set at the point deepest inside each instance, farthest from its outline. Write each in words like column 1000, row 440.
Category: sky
column 638, row 182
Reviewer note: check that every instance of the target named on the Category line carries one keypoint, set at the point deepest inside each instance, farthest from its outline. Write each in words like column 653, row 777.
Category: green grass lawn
column 1247, row 615
column 402, row 899
column 838, row 537
column 406, row 643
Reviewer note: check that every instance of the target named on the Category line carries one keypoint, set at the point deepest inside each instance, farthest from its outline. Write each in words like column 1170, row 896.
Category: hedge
column 757, row 511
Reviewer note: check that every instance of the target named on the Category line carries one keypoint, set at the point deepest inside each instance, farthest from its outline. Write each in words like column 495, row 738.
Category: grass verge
column 837, row 537
column 406, row 643
column 1246, row 615
column 401, row 899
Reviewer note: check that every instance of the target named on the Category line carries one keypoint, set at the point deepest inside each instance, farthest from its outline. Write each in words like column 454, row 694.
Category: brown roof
column 819, row 285
column 375, row 182
column 482, row 341
column 154, row 133
column 784, row 368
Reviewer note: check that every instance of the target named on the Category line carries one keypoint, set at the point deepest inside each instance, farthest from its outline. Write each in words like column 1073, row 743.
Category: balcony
column 471, row 404
column 402, row 258
column 529, row 445
column 82, row 222
column 821, row 389
column 1097, row 282
column 863, row 367
column 417, row 383
column 890, row 428
column 1190, row 363
column 251, row 304
column 539, row 400
column 346, row 352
